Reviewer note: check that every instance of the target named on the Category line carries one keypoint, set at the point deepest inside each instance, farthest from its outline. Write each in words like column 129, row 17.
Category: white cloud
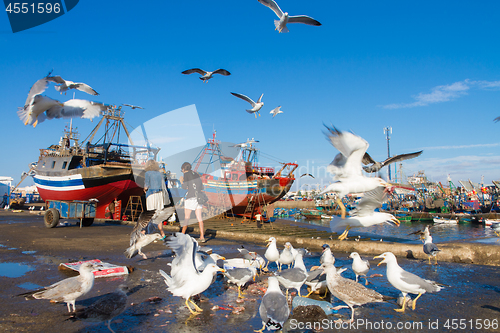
column 445, row 93
column 463, row 146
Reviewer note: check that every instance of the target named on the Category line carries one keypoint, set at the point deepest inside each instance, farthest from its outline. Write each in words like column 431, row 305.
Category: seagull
column 284, row 18
column 293, row 277
column 273, row 308
column 105, row 308
column 255, row 106
column 276, row 111
column 497, row 119
column 359, row 266
column 286, row 256
column 404, row 281
column 34, row 110
column 376, row 166
column 364, row 214
column 185, row 280
column 346, row 166
column 307, row 174
column 348, row 291
column 254, row 258
column 68, row 290
column 430, row 248
column 141, row 242
column 327, row 256
column 206, row 75
column 74, row 108
column 133, row 107
column 240, row 276
column 272, row 253
column 246, row 144
column 64, row 85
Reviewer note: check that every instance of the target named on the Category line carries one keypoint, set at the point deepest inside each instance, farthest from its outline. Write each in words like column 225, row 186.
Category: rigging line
column 276, row 159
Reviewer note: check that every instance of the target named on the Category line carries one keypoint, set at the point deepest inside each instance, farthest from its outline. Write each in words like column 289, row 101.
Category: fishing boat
column 441, row 220
column 105, row 170
column 240, row 186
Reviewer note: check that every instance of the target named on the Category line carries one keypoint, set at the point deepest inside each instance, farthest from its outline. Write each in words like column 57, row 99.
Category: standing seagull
column 364, row 215
column 255, row 106
column 360, row 266
column 430, row 248
column 284, row 18
column 272, row 253
column 105, row 308
column 286, row 256
column 68, row 290
column 276, row 111
column 293, row 277
column 273, row 308
column 404, row 281
column 346, row 166
column 348, row 291
column 327, row 256
column 139, row 243
column 376, row 166
column 206, row 75
column 240, row 276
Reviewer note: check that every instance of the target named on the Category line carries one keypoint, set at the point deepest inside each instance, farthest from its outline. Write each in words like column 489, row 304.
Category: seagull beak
column 222, row 270
column 380, row 257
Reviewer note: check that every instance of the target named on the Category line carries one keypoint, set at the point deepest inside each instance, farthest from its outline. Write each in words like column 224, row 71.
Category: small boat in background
column 441, row 220
column 488, row 222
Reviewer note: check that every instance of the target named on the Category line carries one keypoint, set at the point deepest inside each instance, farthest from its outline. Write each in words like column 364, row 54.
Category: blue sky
column 430, row 70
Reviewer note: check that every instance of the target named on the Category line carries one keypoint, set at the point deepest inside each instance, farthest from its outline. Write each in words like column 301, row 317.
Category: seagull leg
column 255, row 114
column 262, row 329
column 312, row 290
column 415, row 302
column 108, row 323
column 352, row 314
column 436, row 258
column 356, row 275
column 240, row 293
column 344, row 234
column 366, row 281
column 404, row 305
column 196, row 306
column 326, row 293
column 142, row 254
column 35, row 123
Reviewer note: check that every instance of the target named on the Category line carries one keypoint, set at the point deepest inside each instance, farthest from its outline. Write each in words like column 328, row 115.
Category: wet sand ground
column 470, row 303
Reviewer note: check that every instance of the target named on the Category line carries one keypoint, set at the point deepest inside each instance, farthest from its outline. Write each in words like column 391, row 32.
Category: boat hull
column 104, row 183
column 234, row 196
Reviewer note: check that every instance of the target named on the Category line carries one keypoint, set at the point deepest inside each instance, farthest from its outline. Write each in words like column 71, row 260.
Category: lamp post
column 387, row 132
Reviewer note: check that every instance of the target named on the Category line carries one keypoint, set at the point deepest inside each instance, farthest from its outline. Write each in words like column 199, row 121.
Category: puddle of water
column 28, row 252
column 12, row 269
column 12, row 248
column 1, row 245
column 29, row 286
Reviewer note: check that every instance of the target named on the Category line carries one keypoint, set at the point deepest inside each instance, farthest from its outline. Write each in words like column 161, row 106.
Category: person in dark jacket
column 192, row 182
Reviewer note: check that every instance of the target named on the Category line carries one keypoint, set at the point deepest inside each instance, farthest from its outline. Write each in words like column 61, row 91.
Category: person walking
column 156, row 191
column 192, row 182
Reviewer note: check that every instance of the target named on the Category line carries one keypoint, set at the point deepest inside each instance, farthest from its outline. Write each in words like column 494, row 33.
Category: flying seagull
column 276, row 111
column 307, row 174
column 364, row 215
column 133, row 107
column 206, row 75
column 376, row 166
column 68, row 290
column 64, row 85
column 255, row 106
column 76, row 108
column 105, row 308
column 284, row 18
column 346, row 166
column 497, row 119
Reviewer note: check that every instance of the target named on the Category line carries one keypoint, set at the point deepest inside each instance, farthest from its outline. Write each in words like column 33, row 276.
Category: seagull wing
column 194, row 70
column 221, row 71
column 401, row 157
column 367, row 159
column 412, row 279
column 82, row 108
column 371, row 200
column 353, row 148
column 273, row 5
column 36, row 89
column 303, row 19
column 245, row 98
column 83, row 87
column 56, row 79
